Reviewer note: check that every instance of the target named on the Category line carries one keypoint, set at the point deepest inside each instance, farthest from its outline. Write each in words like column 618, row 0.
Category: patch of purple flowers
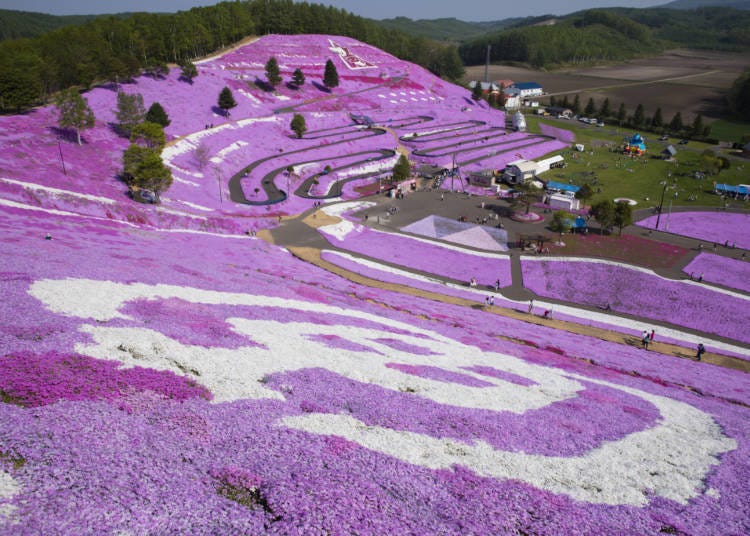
column 33, row 380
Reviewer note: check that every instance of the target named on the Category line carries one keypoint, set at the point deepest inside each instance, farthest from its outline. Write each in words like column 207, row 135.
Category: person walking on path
column 644, row 340
column 651, row 336
column 700, row 352
column 492, row 301
column 531, row 306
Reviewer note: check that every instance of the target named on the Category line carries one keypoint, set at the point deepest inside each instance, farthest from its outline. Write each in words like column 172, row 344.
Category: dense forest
column 121, row 47
column 611, row 35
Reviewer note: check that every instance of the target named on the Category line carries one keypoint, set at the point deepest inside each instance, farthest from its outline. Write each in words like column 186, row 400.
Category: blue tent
column 552, row 185
column 729, row 189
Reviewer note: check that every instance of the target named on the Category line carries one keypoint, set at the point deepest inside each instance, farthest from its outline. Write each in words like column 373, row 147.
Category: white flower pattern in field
column 670, row 458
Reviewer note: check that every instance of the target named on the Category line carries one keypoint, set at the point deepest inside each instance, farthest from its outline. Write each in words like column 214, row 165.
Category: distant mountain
column 449, row 29
column 16, row 24
column 697, row 4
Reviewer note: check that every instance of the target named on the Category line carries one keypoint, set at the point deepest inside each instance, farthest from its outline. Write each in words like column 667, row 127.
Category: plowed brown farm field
column 686, row 81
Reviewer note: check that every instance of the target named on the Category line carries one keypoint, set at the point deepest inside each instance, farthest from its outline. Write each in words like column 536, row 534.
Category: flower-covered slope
column 248, row 151
column 234, row 389
column 160, row 373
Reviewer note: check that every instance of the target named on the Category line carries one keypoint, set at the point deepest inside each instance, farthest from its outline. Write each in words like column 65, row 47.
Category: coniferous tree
column 402, row 169
column 298, row 78
column 639, row 117
column 576, row 105
column 621, row 113
column 657, row 121
column 476, row 91
column 697, row 128
column 130, row 111
column 590, row 109
column 226, row 100
column 157, row 114
column 331, row 75
column 675, row 125
column 272, row 72
column 74, row 112
column 605, row 111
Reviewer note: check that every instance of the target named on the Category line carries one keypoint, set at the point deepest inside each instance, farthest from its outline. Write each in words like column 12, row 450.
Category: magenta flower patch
column 33, row 380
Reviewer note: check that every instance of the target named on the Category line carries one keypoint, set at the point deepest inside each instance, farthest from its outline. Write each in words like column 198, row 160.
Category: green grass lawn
column 612, row 175
column 729, row 130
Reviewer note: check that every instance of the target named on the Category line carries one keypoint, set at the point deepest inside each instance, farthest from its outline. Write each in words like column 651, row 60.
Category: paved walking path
column 299, row 235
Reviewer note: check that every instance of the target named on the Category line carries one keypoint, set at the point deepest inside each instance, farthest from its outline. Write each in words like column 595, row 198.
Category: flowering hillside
column 163, row 372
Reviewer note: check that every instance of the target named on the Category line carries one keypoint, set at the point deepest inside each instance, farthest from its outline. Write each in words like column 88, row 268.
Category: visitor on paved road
column 644, row 340
column 701, row 351
column 531, row 306
column 651, row 336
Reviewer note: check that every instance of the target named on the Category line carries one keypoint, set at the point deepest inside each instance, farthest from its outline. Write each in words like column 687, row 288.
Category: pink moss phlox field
column 638, row 293
column 32, row 380
column 170, row 462
column 432, row 259
column 90, row 446
column 732, row 273
column 713, row 227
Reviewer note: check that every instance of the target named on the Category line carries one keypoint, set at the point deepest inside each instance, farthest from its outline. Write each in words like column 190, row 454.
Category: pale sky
column 467, row 10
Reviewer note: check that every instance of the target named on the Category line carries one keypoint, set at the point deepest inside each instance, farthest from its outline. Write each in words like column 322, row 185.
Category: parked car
column 664, row 138
column 145, row 196
column 683, row 142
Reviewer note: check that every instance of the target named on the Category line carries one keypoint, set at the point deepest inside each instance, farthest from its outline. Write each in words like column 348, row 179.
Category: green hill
column 17, row 24
column 615, row 34
column 452, row 29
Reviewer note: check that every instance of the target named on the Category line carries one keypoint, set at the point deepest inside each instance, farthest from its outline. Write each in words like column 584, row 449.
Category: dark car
column 683, row 142
column 145, row 196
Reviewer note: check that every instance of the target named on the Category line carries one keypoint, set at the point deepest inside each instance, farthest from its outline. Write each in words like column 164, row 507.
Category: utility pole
column 59, row 147
column 487, row 65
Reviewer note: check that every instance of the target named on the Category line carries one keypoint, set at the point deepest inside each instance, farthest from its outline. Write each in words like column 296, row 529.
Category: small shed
column 552, row 162
column 519, row 171
column 669, row 152
column 482, row 178
column 563, row 202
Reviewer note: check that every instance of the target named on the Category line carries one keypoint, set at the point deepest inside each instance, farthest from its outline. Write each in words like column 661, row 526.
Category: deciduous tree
column 604, row 213
column 148, row 134
column 623, row 215
column 298, row 125
column 189, row 71
column 74, row 112
column 130, row 111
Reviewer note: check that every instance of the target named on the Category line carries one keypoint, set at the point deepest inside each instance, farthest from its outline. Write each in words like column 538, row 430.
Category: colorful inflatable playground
column 635, row 146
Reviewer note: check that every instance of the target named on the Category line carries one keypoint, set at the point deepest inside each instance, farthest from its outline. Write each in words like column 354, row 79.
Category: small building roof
column 553, row 185
column 527, row 85
column 670, row 150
